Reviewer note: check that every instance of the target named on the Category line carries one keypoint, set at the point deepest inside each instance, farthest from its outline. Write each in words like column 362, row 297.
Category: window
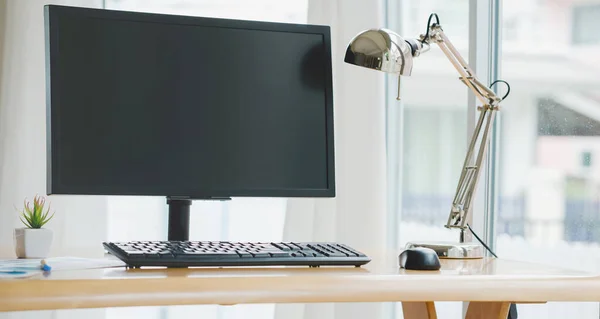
column 548, row 208
column 556, row 119
column 585, row 18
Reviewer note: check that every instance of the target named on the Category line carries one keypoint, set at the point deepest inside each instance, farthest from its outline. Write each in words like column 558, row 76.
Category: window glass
column 549, row 174
column 585, row 18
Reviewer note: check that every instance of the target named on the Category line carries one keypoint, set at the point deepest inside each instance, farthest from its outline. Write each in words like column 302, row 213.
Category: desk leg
column 487, row 310
column 419, row 310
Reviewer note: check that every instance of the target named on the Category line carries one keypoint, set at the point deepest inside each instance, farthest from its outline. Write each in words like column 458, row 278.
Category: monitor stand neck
column 179, row 216
column 179, row 219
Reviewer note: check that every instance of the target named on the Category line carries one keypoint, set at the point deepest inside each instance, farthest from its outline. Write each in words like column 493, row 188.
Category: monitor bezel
column 53, row 13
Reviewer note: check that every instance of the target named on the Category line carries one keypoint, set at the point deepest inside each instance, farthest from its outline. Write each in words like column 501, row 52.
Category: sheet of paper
column 21, row 268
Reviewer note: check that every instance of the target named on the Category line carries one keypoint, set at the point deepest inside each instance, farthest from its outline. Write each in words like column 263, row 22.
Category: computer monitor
column 187, row 108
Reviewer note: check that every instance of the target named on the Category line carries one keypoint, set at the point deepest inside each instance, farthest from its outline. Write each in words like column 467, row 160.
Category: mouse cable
column 481, row 241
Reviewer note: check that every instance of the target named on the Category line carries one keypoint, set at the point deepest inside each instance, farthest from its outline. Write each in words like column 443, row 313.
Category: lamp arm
column 471, row 171
column 485, row 95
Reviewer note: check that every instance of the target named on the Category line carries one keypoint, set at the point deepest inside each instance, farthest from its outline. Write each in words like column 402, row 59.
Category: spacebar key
column 209, row 255
column 336, row 254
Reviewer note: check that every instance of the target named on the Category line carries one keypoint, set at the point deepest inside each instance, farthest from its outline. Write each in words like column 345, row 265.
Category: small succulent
column 35, row 217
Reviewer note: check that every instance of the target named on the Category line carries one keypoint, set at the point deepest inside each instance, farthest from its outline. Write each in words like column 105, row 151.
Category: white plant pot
column 32, row 243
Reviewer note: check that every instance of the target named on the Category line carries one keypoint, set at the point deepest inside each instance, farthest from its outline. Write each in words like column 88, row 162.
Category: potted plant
column 33, row 241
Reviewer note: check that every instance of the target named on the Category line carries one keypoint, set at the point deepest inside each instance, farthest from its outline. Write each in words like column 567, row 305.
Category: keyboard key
column 302, row 246
column 289, row 246
column 261, row 255
column 134, row 253
column 338, row 251
column 350, row 253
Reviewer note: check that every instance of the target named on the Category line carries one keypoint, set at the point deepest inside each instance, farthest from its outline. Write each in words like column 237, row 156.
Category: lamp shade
column 381, row 49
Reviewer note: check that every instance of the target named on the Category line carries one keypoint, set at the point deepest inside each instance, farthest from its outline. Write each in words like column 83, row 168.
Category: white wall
column 80, row 222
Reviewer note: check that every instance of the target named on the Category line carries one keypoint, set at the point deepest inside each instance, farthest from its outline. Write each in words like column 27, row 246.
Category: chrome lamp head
column 383, row 50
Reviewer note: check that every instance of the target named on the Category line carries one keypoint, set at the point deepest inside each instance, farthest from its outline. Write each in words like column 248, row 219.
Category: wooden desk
column 490, row 284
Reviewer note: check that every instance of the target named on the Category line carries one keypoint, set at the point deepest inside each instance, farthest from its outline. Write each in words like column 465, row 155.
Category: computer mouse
column 419, row 258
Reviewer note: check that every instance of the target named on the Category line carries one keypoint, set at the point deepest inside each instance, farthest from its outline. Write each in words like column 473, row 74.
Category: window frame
column 485, row 58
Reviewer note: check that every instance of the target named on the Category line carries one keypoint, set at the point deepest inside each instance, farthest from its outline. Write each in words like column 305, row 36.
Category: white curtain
column 80, row 222
column 357, row 215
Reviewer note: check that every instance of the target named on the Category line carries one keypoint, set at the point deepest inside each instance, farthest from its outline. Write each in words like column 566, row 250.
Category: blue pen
column 45, row 266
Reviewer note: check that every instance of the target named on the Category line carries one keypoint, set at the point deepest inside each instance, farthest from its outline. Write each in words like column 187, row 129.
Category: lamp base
column 452, row 250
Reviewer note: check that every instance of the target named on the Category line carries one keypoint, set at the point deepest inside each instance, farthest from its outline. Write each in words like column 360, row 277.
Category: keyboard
column 138, row 254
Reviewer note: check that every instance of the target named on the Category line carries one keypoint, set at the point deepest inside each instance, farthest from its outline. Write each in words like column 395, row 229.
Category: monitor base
column 452, row 250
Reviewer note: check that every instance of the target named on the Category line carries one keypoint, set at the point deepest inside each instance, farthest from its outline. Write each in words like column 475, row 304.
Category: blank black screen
column 192, row 107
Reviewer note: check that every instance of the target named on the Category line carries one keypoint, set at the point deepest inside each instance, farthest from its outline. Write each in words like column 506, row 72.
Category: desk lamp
column 384, row 50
